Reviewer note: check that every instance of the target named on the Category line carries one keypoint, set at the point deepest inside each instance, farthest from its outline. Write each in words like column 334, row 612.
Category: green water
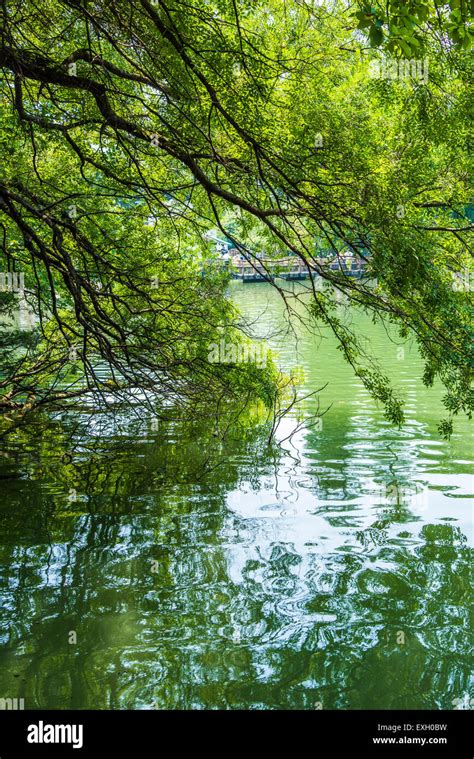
column 170, row 570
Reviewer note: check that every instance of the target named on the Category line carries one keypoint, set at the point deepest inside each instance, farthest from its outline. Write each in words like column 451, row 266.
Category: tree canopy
column 129, row 129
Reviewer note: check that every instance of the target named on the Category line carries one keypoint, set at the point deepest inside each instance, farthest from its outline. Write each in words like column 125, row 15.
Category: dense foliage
column 131, row 128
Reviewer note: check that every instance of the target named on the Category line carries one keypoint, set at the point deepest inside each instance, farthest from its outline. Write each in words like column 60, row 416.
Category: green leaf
column 376, row 36
column 404, row 46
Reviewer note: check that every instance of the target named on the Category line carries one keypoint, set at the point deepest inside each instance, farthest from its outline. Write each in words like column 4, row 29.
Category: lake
column 175, row 571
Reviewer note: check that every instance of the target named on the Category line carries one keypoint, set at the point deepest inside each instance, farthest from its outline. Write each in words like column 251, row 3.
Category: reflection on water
column 195, row 574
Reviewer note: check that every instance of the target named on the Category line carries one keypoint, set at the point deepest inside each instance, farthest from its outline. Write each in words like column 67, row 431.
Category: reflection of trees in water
column 394, row 465
column 228, row 617
column 85, row 564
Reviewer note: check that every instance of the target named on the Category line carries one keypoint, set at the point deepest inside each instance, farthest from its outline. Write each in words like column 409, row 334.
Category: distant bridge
column 289, row 268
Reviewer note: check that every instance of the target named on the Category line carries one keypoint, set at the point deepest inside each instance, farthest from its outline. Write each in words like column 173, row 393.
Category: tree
column 263, row 119
column 403, row 26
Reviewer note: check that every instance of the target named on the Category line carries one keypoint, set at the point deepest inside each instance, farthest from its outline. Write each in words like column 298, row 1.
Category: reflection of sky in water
column 357, row 451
